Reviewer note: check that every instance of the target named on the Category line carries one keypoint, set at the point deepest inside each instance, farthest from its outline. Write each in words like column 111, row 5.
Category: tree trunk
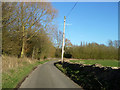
column 23, row 44
column 33, row 53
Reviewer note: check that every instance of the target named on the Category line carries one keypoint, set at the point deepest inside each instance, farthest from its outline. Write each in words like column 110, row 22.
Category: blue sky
column 89, row 21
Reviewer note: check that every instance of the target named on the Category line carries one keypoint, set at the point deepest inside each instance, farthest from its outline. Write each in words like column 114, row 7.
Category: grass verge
column 90, row 77
column 12, row 76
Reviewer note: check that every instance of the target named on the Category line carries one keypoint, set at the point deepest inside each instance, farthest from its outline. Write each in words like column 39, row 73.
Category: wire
column 71, row 9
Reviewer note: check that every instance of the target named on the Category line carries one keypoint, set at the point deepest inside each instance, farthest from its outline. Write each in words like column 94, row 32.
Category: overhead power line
column 71, row 9
column 62, row 58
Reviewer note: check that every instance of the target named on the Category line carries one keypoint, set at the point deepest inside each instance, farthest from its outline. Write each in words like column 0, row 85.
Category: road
column 48, row 76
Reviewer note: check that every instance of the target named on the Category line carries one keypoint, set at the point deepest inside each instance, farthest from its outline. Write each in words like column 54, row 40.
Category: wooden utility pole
column 63, row 39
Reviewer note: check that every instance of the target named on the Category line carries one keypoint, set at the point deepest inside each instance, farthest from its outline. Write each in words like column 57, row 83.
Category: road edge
column 33, row 69
column 67, row 76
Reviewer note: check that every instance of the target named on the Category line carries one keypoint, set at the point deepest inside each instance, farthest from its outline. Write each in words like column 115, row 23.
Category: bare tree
column 28, row 19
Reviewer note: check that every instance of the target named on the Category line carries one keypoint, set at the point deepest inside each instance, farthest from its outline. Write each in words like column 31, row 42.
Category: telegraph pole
column 63, row 39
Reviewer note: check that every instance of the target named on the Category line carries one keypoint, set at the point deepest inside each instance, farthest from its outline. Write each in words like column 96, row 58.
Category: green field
column 11, row 78
column 111, row 63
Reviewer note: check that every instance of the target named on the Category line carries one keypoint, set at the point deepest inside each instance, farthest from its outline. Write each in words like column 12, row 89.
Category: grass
column 85, row 80
column 91, row 78
column 111, row 63
column 12, row 76
column 60, row 68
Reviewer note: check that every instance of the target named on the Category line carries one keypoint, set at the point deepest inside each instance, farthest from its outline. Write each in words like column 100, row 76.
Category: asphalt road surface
column 48, row 76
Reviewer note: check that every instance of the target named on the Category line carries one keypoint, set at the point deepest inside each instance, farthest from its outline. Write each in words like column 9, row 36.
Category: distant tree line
column 93, row 51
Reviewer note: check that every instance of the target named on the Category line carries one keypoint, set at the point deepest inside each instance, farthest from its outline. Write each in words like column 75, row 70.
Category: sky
column 88, row 21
